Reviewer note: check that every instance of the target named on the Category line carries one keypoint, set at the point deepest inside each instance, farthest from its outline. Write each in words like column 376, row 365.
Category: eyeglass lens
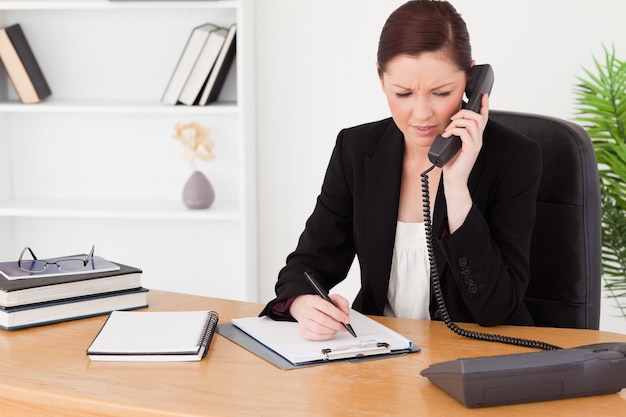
column 64, row 265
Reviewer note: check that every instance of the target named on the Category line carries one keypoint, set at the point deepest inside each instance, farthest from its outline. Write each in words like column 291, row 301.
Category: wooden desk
column 45, row 371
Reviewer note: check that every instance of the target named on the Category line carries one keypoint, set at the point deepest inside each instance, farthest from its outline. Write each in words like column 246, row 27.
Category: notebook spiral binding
column 206, row 336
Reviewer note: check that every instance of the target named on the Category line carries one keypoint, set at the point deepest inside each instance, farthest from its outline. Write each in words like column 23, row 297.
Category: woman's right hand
column 317, row 318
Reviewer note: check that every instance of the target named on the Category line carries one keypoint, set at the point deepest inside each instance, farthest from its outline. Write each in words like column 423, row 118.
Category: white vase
column 198, row 192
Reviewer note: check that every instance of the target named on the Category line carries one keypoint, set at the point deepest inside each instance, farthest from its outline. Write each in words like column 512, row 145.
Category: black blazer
column 483, row 266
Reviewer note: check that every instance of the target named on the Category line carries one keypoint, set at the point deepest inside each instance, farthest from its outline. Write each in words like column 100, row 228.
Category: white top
column 408, row 295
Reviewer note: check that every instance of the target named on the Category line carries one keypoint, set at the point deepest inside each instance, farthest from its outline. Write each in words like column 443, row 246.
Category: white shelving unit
column 95, row 163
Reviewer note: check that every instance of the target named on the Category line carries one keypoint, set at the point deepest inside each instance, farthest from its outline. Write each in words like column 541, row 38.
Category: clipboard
column 280, row 343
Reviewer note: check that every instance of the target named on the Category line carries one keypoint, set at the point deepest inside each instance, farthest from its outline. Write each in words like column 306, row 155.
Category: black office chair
column 565, row 258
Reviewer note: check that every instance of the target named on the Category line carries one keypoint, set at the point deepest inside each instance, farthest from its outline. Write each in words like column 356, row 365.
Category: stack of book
column 33, row 299
column 203, row 66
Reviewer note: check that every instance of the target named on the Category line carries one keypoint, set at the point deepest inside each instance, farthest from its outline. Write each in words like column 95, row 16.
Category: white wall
column 316, row 75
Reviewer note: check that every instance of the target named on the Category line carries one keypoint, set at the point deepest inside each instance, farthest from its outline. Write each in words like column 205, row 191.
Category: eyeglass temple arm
column 29, row 250
column 90, row 256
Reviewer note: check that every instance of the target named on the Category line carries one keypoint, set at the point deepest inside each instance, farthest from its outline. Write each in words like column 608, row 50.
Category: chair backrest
column 566, row 249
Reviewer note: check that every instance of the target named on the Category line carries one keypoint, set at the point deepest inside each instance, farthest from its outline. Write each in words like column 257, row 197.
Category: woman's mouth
column 424, row 130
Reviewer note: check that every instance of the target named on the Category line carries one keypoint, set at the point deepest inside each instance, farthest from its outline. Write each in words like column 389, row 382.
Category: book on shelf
column 217, row 77
column 186, row 62
column 39, row 314
column 22, row 66
column 154, row 336
column 202, row 68
column 58, row 287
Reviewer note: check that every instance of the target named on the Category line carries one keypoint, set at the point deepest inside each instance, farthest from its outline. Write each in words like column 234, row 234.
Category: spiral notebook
column 154, row 336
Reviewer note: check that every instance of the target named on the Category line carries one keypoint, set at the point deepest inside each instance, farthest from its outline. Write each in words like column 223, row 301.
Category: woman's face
column 423, row 93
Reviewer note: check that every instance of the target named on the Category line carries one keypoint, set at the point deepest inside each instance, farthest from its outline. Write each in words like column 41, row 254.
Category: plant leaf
column 601, row 108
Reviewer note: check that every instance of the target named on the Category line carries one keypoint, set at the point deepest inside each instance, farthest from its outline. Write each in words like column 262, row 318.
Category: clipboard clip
column 362, row 349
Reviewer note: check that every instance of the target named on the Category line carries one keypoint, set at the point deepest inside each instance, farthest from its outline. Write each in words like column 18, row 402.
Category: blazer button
column 469, row 279
column 462, row 261
column 466, row 270
column 472, row 288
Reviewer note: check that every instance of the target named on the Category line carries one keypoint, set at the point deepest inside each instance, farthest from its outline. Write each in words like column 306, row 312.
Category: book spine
column 22, row 66
column 218, row 75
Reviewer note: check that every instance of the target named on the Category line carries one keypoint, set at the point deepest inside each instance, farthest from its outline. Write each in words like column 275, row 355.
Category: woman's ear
column 471, row 66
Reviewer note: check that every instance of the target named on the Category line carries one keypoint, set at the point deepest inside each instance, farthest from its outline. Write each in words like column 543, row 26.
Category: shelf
column 113, row 5
column 116, row 107
column 95, row 161
column 118, row 209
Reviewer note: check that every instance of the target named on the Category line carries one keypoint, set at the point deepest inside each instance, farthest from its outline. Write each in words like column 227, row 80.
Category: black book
column 58, row 287
column 21, row 65
column 215, row 81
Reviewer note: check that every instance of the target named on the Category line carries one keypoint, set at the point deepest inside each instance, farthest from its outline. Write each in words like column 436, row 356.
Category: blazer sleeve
column 488, row 256
column 326, row 246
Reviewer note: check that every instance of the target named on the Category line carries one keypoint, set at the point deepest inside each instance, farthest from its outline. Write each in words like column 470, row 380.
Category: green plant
column 601, row 99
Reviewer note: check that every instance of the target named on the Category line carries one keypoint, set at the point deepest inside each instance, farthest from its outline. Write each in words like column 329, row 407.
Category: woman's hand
column 469, row 126
column 317, row 318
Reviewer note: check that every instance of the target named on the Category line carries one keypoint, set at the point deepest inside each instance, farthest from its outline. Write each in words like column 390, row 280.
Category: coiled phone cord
column 441, row 305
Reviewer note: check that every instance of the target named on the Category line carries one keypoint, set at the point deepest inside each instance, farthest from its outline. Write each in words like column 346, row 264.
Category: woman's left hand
column 469, row 126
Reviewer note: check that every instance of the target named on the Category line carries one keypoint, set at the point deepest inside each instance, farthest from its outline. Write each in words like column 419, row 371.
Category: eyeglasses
column 64, row 264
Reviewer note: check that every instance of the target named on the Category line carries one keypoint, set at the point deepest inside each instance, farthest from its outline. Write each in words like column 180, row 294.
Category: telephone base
column 536, row 376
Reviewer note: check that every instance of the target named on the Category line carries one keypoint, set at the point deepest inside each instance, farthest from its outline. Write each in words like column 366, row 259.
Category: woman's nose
column 421, row 109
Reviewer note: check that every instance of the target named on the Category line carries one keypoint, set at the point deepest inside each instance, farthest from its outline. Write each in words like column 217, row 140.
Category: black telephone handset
column 480, row 82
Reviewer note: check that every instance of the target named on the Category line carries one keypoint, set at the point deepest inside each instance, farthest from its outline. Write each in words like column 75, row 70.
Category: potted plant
column 601, row 106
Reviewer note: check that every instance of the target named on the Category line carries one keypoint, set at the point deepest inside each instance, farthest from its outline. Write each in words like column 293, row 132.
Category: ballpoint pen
column 324, row 295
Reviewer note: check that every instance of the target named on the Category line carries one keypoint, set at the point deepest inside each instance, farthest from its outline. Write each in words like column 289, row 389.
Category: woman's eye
column 403, row 95
column 442, row 93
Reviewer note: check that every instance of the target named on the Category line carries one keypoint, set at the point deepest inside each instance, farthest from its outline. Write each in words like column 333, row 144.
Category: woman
column 370, row 204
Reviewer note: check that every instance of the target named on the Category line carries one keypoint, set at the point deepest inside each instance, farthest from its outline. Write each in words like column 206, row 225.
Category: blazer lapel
column 383, row 173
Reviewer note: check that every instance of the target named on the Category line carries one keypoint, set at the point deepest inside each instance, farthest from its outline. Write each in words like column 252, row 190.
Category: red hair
column 425, row 26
